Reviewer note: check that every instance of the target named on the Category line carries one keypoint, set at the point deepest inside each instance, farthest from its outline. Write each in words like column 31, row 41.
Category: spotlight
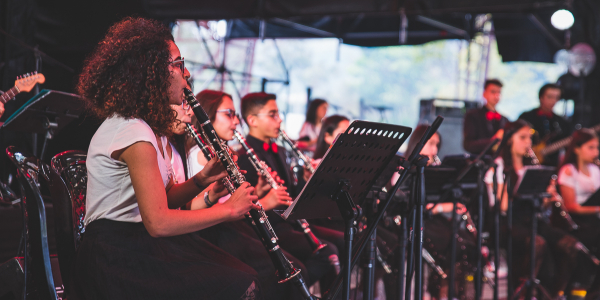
column 562, row 19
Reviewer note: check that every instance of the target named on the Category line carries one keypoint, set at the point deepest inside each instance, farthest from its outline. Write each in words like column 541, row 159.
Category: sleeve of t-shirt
column 489, row 179
column 129, row 133
column 193, row 165
column 564, row 179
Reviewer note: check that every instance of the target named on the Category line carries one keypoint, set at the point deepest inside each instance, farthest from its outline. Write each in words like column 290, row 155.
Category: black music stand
column 345, row 176
column 532, row 187
column 47, row 112
column 593, row 200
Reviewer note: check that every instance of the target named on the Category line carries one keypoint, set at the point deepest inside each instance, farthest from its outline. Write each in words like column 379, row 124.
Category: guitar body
column 538, row 150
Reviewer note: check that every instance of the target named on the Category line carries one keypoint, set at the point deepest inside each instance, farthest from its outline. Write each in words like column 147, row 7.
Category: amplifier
column 451, row 130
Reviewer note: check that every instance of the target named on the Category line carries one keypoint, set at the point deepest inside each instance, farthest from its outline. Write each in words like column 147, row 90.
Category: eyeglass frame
column 229, row 112
column 273, row 115
column 182, row 66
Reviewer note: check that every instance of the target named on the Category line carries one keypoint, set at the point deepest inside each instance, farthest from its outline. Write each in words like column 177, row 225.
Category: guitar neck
column 9, row 94
column 562, row 143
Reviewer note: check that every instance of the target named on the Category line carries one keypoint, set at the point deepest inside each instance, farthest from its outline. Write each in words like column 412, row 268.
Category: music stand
column 532, row 187
column 593, row 200
column 47, row 112
column 345, row 176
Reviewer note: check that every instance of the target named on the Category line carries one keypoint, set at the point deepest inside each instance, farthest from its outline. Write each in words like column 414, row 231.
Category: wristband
column 207, row 201
column 197, row 183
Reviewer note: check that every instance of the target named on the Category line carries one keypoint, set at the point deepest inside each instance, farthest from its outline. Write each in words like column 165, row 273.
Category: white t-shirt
column 177, row 164
column 489, row 179
column 583, row 185
column 110, row 194
column 194, row 167
column 310, row 130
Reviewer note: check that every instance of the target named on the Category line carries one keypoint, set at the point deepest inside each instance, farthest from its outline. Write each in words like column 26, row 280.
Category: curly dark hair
column 128, row 75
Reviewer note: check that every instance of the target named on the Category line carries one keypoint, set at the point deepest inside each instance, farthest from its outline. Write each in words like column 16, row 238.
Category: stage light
column 562, row 19
column 222, row 28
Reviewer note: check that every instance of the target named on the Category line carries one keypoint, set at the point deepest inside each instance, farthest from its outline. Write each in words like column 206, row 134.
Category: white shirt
column 489, row 179
column 177, row 164
column 584, row 185
column 194, row 167
column 110, row 194
column 310, row 130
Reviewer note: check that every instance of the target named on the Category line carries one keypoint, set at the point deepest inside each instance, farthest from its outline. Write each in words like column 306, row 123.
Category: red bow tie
column 492, row 115
column 542, row 113
column 272, row 147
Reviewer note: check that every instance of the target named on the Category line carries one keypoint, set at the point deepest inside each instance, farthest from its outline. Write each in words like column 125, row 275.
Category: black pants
column 120, row 260
column 239, row 239
column 557, row 257
column 295, row 242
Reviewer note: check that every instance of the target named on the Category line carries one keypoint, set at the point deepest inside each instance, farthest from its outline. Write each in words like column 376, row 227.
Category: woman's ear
column 577, row 151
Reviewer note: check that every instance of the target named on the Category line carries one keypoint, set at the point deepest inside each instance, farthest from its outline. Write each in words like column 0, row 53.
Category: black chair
column 39, row 280
column 68, row 184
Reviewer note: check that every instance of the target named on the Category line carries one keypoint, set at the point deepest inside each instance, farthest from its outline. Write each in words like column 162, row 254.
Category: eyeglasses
column 180, row 63
column 185, row 105
column 229, row 112
column 273, row 115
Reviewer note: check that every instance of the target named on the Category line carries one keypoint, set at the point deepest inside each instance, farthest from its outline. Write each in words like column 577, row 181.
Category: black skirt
column 120, row 260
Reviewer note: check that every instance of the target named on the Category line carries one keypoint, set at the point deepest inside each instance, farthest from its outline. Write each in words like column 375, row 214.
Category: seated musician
column 135, row 246
column 558, row 260
column 261, row 114
column 221, row 111
column 482, row 125
column 228, row 235
column 438, row 229
column 309, row 133
column 330, row 128
column 579, row 179
column 549, row 126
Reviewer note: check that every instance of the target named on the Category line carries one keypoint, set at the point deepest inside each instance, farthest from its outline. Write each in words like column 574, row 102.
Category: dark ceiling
column 66, row 31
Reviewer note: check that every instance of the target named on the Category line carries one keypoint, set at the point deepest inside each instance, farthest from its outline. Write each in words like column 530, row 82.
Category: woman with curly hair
column 135, row 245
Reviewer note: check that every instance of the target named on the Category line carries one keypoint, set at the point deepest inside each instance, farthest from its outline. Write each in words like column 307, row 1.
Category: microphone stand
column 477, row 162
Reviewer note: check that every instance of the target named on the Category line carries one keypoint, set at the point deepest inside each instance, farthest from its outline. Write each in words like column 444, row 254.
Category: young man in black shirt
column 549, row 127
column 261, row 114
column 482, row 125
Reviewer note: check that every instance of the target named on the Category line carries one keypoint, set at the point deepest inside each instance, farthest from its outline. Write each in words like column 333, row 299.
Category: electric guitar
column 24, row 83
column 542, row 150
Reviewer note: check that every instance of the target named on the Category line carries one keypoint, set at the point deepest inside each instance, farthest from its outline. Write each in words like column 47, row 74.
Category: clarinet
column 258, row 218
column 563, row 213
column 262, row 169
column 297, row 151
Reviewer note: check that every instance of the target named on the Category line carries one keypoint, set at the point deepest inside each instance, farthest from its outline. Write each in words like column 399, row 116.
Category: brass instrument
column 258, row 218
column 262, row 169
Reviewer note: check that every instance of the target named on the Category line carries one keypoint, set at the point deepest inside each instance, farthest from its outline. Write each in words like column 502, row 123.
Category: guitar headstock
column 26, row 82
